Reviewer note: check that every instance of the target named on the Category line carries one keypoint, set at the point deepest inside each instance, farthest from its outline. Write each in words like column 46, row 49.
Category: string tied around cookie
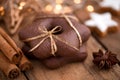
column 73, row 27
column 66, row 17
column 50, row 34
column 45, row 35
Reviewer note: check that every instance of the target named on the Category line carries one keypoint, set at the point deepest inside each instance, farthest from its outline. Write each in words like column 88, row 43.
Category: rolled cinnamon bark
column 9, row 69
column 24, row 64
column 9, row 40
column 8, row 51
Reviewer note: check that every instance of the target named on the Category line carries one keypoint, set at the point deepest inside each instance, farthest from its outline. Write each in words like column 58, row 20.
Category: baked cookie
column 54, row 40
column 88, row 7
column 111, row 6
column 102, row 23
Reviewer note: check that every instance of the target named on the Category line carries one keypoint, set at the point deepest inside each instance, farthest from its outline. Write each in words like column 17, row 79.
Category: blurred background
column 18, row 13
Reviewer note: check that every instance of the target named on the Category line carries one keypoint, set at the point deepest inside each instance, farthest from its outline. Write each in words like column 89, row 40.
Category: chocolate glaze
column 65, row 53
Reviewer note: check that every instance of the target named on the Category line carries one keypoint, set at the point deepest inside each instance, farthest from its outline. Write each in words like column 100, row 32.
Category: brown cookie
column 55, row 62
column 63, row 40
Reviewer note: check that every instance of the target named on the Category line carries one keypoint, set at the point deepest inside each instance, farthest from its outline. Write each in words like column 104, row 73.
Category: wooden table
column 78, row 71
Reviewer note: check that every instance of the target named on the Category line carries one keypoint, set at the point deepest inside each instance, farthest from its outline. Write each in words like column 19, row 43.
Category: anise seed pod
column 105, row 60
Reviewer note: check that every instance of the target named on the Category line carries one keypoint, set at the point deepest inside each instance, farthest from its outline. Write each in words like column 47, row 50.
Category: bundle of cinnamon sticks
column 12, row 59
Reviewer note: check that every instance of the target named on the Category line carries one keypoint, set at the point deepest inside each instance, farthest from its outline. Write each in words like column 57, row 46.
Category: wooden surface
column 77, row 71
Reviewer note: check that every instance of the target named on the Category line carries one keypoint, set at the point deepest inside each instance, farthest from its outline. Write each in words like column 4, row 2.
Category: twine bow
column 46, row 34
column 50, row 34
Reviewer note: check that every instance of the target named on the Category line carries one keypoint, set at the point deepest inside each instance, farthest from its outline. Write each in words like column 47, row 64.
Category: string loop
column 50, row 34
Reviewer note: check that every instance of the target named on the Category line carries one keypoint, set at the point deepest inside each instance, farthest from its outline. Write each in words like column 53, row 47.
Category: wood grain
column 75, row 71
column 94, row 46
column 112, row 42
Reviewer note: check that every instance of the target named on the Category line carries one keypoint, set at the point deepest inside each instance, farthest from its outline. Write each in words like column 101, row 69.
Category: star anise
column 105, row 60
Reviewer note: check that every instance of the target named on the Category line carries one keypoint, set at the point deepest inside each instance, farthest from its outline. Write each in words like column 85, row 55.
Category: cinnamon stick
column 8, row 39
column 8, row 51
column 9, row 69
column 13, row 53
column 24, row 64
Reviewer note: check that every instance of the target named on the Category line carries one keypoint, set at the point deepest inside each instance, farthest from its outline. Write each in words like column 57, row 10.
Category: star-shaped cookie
column 102, row 23
column 114, row 4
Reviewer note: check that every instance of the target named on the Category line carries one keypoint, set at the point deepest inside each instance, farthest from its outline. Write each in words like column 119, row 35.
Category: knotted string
column 74, row 28
column 45, row 34
column 50, row 34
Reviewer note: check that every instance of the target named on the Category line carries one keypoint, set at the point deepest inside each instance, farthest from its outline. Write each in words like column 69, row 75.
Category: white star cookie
column 114, row 4
column 102, row 23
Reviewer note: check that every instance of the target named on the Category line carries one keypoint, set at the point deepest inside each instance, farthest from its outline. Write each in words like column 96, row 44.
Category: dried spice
column 105, row 60
column 12, row 59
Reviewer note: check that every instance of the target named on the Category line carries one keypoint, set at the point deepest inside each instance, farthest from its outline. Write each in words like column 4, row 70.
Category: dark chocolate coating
column 58, row 61
column 67, row 34
column 55, row 62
